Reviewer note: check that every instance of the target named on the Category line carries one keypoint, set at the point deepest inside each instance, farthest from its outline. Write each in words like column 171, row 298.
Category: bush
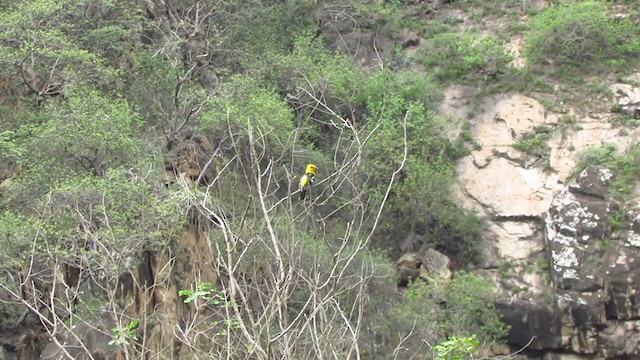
column 534, row 143
column 17, row 236
column 456, row 56
column 89, row 132
column 10, row 151
column 432, row 313
column 469, row 308
column 625, row 166
column 580, row 33
column 420, row 196
column 243, row 107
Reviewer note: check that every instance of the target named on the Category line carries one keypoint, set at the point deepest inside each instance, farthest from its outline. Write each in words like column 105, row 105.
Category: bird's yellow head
column 311, row 169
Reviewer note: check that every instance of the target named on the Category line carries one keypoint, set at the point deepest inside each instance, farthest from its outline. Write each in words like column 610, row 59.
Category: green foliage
column 626, row 167
column 597, row 155
column 433, row 28
column 39, row 35
column 310, row 65
column 543, row 265
column 405, row 86
column 574, row 35
column 618, row 220
column 464, row 56
column 624, row 120
column 515, row 79
column 214, row 297
column 152, row 87
column 411, row 315
column 125, row 335
column 460, row 314
column 17, row 233
column 534, row 143
column 259, row 36
column 245, row 107
column 457, row 232
column 421, row 195
column 118, row 214
column 469, row 308
column 10, row 151
column 87, row 133
column 378, row 14
column 206, row 292
column 456, row 348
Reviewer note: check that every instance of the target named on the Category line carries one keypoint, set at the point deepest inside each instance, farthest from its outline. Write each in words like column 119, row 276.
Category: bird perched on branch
column 307, row 180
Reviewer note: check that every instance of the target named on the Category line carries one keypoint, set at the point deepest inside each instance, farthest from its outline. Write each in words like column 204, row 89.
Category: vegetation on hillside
column 105, row 107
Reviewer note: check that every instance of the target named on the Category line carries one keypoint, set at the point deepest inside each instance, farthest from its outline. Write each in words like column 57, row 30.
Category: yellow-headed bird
column 307, row 180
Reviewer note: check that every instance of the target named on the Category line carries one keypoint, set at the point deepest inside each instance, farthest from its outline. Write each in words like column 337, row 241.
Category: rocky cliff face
column 149, row 286
column 569, row 277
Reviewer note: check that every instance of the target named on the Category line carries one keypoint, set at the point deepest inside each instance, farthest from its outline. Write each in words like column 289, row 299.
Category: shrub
column 535, row 142
column 625, row 166
column 432, row 313
column 456, row 348
column 468, row 307
column 420, row 196
column 90, row 132
column 245, row 107
column 579, row 33
column 465, row 55
column 10, row 151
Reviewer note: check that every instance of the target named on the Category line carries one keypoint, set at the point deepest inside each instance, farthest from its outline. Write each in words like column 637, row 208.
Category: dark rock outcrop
column 594, row 275
column 577, row 224
column 534, row 324
column 426, row 264
column 86, row 341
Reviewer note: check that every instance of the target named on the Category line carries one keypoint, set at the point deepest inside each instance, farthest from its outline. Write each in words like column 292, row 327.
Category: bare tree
column 284, row 293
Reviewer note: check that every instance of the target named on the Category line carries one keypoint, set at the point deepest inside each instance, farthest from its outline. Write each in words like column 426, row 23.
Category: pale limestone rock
column 514, row 48
column 435, row 265
column 510, row 118
column 599, row 289
column 505, row 189
column 456, row 100
column 515, row 240
column 626, row 92
column 588, row 132
column 499, row 185
column 409, row 267
column 633, row 78
column 535, row 281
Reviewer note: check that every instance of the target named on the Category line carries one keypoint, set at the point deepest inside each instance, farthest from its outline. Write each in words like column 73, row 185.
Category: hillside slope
column 476, row 190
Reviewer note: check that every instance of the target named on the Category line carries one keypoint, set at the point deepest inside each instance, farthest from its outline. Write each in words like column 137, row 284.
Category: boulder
column 576, row 227
column 627, row 99
column 427, row 264
column 592, row 181
column 535, row 325
column 86, row 341
column 582, row 316
column 435, row 265
column 408, row 267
